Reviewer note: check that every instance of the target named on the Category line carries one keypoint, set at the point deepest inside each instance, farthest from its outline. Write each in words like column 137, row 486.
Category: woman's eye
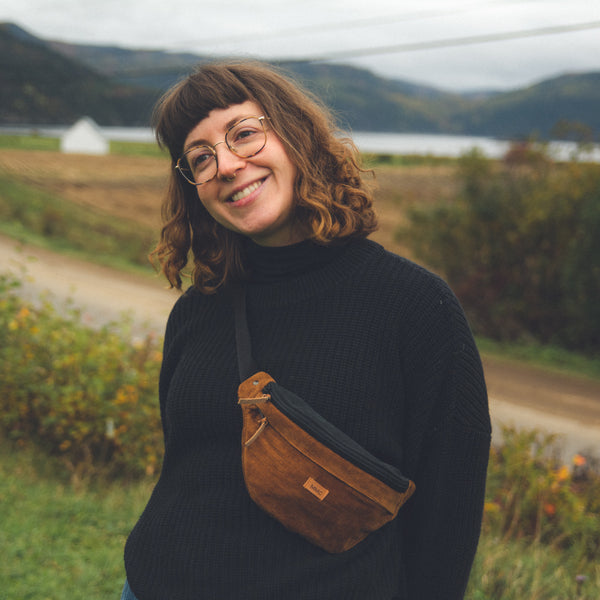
column 244, row 134
column 199, row 159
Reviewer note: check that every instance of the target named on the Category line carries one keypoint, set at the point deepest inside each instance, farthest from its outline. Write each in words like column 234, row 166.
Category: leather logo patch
column 315, row 489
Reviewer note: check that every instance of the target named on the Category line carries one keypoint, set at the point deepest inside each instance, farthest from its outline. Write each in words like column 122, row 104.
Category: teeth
column 246, row 191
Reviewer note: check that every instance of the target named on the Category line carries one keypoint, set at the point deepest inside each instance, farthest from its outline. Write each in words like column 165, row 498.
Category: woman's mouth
column 245, row 192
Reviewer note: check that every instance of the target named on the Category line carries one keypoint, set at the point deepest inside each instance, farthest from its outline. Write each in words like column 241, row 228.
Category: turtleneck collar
column 269, row 264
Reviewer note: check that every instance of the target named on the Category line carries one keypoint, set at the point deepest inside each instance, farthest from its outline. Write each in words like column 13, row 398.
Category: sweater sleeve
column 447, row 447
column 177, row 323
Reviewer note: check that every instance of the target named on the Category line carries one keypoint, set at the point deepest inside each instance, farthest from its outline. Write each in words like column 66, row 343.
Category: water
column 455, row 145
column 382, row 143
column 427, row 144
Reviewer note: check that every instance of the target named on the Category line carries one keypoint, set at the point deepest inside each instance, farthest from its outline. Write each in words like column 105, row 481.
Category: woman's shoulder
column 192, row 305
column 409, row 279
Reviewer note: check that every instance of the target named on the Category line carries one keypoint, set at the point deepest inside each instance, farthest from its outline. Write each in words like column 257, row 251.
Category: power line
column 339, row 25
column 450, row 42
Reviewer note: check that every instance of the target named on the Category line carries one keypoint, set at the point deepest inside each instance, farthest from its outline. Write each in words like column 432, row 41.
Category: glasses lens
column 246, row 138
column 198, row 164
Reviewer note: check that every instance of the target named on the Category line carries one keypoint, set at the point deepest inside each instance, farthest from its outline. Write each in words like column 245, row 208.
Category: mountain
column 45, row 81
column 572, row 100
column 359, row 98
column 41, row 86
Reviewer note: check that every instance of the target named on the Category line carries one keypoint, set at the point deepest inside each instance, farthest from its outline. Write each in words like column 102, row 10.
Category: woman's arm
column 448, row 441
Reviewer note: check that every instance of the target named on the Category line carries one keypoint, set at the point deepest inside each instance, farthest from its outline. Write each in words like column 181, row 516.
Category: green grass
column 373, row 160
column 29, row 142
column 517, row 570
column 553, row 358
column 35, row 216
column 51, row 144
column 60, row 542
column 136, row 149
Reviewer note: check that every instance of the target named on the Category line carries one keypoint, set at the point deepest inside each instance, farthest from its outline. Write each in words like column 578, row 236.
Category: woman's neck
column 269, row 264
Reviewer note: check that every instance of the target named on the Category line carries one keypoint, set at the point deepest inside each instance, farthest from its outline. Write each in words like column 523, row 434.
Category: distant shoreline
column 420, row 144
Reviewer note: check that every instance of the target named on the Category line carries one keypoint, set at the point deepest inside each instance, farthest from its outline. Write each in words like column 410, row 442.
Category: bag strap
column 246, row 364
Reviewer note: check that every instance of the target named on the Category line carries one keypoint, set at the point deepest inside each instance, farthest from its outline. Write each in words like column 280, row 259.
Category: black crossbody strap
column 246, row 364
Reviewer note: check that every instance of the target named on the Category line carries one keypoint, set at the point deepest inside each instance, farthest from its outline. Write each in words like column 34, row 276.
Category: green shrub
column 532, row 496
column 520, row 247
column 85, row 395
column 88, row 397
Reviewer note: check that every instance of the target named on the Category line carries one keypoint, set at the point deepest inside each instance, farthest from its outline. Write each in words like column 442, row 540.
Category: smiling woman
column 250, row 188
column 286, row 189
column 269, row 204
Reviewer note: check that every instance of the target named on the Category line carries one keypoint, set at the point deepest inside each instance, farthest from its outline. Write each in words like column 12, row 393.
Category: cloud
column 272, row 29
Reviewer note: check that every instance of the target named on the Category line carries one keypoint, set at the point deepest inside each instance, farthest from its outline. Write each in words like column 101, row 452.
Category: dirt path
column 519, row 395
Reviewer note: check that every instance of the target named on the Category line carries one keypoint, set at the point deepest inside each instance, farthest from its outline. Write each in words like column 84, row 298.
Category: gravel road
column 519, row 395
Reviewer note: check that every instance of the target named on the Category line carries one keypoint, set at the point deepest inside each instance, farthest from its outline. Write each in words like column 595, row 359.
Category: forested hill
column 49, row 82
column 40, row 86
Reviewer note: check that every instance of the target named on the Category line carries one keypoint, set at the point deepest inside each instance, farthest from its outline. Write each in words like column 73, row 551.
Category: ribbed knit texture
column 379, row 347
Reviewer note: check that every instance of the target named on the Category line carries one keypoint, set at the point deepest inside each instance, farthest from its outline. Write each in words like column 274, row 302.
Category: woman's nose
column 229, row 163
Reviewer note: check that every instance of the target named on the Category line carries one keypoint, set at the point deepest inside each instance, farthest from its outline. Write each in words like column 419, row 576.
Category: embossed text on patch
column 314, row 488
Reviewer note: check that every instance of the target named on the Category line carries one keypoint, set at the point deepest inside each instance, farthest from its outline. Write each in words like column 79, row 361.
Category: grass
column 517, row 570
column 68, row 209
column 554, row 358
column 51, row 144
column 29, row 142
column 57, row 541
column 136, row 149
column 36, row 216
column 373, row 160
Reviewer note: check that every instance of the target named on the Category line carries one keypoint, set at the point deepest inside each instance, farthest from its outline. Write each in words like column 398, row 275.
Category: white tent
column 85, row 137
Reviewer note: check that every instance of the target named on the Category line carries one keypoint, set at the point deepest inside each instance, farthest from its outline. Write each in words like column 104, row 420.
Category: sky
column 463, row 45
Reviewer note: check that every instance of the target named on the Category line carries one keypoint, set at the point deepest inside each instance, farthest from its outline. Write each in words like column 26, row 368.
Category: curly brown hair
column 331, row 201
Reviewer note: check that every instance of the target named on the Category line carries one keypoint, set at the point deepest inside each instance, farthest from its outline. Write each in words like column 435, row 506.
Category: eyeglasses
column 245, row 139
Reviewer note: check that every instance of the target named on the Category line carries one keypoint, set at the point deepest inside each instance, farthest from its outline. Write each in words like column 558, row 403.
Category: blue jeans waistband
column 127, row 594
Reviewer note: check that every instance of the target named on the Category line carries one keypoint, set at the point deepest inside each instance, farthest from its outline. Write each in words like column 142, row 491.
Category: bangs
column 191, row 101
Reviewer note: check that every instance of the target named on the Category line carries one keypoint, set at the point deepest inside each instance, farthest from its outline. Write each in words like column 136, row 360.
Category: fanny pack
column 302, row 470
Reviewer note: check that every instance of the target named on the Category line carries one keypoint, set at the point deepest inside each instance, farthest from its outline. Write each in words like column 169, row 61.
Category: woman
column 263, row 193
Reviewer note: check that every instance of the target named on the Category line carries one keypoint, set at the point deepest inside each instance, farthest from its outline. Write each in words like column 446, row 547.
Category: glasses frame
column 225, row 141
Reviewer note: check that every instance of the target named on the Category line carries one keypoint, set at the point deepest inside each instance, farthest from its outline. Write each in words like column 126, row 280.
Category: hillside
column 53, row 82
column 571, row 99
column 41, row 86
column 359, row 98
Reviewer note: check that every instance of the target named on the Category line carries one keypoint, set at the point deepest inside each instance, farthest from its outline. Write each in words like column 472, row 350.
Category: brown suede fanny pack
column 302, row 470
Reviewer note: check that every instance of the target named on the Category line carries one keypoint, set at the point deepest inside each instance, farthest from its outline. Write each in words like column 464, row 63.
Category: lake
column 382, row 143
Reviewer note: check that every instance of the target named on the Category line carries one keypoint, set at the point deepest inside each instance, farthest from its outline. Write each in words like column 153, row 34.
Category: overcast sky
column 458, row 45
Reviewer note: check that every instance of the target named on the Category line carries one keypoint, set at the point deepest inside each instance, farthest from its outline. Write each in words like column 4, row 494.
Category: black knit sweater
column 381, row 348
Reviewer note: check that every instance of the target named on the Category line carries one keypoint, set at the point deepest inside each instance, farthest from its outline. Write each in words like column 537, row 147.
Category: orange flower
column 549, row 509
column 579, row 461
column 563, row 473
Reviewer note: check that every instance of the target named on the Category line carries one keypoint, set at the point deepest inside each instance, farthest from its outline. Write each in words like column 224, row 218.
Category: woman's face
column 252, row 196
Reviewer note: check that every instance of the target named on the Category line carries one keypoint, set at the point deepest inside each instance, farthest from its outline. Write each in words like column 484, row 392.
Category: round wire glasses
column 245, row 138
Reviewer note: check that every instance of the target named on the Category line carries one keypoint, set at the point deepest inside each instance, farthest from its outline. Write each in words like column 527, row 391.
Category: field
column 127, row 187
column 61, row 536
column 131, row 187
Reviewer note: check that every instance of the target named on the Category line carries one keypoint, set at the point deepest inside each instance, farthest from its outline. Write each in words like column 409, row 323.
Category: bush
column 532, row 496
column 520, row 247
column 85, row 395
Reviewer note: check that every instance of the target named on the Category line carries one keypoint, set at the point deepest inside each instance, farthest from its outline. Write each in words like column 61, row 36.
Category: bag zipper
column 301, row 413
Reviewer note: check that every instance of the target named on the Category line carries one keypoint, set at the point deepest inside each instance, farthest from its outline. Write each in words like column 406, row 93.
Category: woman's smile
column 245, row 192
column 262, row 185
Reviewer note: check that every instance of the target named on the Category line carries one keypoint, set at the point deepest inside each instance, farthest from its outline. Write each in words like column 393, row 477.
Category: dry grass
column 128, row 187
column 397, row 188
column 132, row 187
